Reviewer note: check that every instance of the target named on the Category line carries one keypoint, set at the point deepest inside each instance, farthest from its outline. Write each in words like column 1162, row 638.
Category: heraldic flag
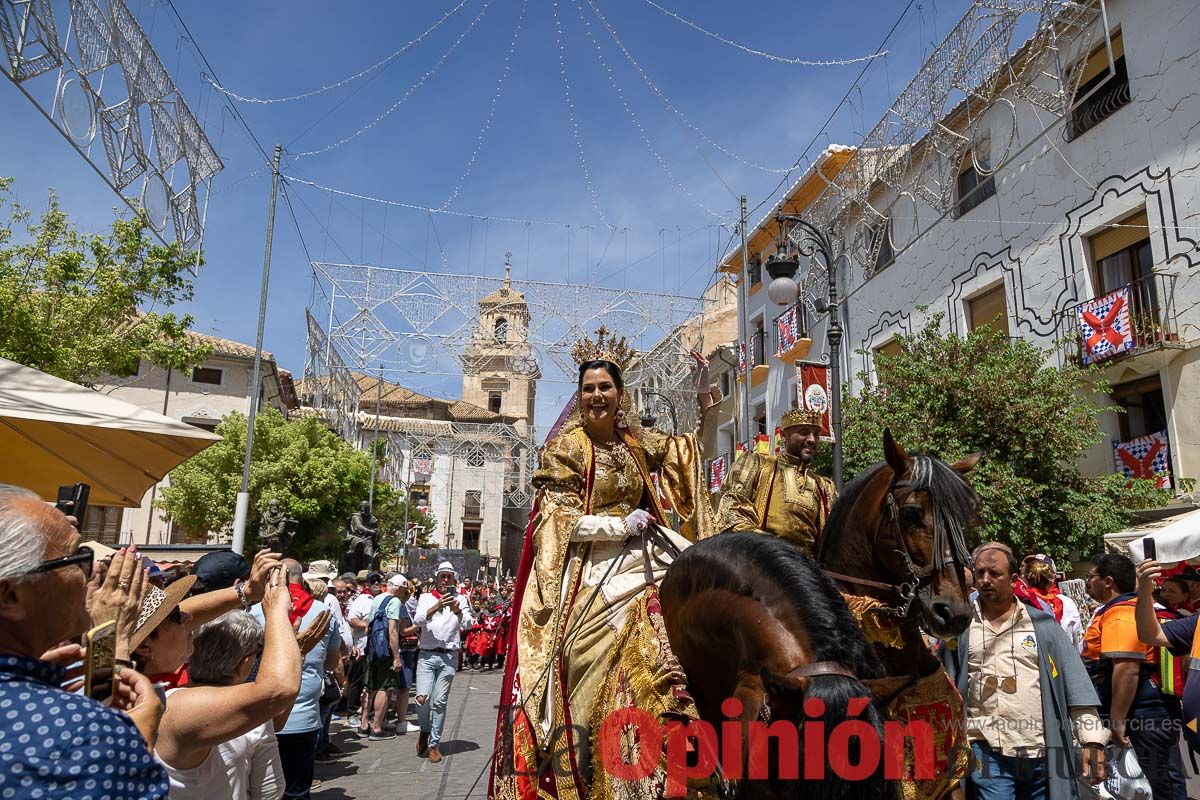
column 1146, row 457
column 717, row 474
column 812, row 386
column 1104, row 327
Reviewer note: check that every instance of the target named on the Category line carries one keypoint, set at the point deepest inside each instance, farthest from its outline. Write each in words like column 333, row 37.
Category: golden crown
column 801, row 416
column 606, row 347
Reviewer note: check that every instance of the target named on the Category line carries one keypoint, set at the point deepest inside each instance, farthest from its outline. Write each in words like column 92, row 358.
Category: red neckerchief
column 301, row 602
column 1052, row 597
column 172, row 679
column 435, row 594
column 1025, row 594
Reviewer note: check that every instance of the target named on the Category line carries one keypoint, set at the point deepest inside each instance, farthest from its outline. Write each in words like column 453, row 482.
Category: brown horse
column 898, row 535
column 750, row 617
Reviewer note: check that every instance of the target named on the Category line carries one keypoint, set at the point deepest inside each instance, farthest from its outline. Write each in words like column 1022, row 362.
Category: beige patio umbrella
column 54, row 432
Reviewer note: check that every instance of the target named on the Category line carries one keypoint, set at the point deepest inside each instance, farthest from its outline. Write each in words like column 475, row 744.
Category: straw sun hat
column 156, row 605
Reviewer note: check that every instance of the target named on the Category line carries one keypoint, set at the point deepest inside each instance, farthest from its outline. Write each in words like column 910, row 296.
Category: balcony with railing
column 758, row 357
column 1131, row 320
column 790, row 331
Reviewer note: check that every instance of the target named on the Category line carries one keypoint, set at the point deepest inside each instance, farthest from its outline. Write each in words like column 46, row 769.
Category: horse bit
column 917, row 577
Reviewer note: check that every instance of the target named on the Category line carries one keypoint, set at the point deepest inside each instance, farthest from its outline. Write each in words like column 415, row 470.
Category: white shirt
column 246, row 766
column 442, row 630
column 360, row 608
column 335, row 608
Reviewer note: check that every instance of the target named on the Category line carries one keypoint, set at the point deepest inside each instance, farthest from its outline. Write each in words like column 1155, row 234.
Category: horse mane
column 770, row 570
column 954, row 507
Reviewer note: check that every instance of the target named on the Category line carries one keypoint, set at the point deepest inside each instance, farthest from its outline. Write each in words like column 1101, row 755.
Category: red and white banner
column 812, row 389
column 423, row 466
column 1146, row 457
column 741, row 358
column 716, row 474
column 1104, row 327
column 788, row 330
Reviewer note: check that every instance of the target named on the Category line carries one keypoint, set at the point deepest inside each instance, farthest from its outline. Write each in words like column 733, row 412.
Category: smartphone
column 73, row 500
column 98, row 661
column 1148, row 549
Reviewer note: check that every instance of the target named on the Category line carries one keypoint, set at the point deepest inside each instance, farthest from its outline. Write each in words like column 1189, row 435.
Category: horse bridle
column 917, row 577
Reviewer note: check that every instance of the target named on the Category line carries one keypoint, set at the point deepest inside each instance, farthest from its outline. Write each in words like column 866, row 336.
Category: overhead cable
column 562, row 66
column 408, row 92
column 805, row 62
column 633, row 117
column 653, row 87
column 491, row 114
column 394, row 55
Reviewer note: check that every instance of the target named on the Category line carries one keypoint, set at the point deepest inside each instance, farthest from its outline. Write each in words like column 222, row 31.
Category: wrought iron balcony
column 1132, row 319
column 759, row 342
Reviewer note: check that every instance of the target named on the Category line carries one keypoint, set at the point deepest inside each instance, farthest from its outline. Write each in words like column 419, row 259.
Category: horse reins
column 918, row 577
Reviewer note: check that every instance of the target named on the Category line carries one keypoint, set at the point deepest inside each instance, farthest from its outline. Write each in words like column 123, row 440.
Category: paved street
column 379, row 770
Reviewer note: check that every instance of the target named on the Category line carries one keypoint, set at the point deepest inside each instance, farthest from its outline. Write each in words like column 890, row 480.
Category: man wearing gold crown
column 778, row 494
column 597, row 538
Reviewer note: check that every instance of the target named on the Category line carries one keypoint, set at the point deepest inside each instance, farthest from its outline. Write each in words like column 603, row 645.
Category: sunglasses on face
column 81, row 558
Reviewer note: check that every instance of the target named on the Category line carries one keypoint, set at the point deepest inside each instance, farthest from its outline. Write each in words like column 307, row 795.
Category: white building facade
column 200, row 396
column 1049, row 215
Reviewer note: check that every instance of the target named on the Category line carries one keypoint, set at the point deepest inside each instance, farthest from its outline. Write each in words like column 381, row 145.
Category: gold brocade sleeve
column 737, row 511
column 680, row 466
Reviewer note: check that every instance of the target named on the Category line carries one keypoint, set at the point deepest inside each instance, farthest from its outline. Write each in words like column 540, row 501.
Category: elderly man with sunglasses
column 1024, row 687
column 62, row 745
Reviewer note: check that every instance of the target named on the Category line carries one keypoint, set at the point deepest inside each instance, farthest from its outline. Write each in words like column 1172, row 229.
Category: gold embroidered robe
column 779, row 495
column 584, row 580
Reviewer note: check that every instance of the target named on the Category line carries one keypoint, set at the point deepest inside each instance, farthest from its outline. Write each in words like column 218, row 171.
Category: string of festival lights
column 683, row 118
column 337, row 85
column 645, row 137
column 407, row 94
column 836, row 62
column 566, row 82
column 487, row 122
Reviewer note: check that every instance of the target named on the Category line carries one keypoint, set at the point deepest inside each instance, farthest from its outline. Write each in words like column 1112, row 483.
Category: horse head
column 898, row 533
column 928, row 508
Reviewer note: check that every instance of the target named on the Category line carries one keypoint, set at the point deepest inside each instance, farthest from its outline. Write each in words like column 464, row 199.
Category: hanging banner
column 787, row 328
column 1104, row 329
column 716, row 474
column 762, row 444
column 1146, row 457
column 423, row 466
column 741, row 358
column 812, row 390
column 777, row 440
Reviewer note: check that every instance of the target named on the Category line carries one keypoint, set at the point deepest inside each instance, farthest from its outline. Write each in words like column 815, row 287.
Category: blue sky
column 527, row 165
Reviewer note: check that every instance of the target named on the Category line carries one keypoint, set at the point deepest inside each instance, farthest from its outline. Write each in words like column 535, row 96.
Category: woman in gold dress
column 587, row 559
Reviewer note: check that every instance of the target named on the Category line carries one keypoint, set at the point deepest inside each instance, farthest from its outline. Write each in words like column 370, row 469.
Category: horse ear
column 894, row 454
column 967, row 463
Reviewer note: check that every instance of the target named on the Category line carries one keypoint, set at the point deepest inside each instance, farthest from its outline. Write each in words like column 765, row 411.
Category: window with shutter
column 1103, row 88
column 988, row 310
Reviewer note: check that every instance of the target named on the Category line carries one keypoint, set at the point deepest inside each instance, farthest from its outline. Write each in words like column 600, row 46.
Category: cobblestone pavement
column 391, row 769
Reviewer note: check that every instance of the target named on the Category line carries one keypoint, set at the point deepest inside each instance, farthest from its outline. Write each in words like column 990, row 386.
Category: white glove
column 640, row 520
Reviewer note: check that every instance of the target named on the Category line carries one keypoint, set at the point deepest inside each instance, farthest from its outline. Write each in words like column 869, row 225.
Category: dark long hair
column 598, row 363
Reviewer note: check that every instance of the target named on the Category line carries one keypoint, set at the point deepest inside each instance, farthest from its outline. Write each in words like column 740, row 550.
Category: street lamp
column 782, row 266
column 649, row 419
column 812, row 241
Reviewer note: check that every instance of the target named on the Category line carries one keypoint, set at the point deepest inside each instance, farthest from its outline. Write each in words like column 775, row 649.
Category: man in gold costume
column 779, row 494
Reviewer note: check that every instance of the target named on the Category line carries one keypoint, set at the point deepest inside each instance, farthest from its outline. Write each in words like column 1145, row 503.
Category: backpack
column 378, row 646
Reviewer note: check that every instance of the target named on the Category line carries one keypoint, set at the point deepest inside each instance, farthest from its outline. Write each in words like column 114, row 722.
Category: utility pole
column 243, row 498
column 375, row 441
column 744, row 329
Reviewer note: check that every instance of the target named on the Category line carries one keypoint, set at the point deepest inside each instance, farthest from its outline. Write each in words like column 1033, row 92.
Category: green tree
column 948, row 396
column 80, row 305
column 317, row 477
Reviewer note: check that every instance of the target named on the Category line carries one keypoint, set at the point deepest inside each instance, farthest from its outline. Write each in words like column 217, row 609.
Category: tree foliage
column 317, row 477
column 81, row 305
column 949, row 396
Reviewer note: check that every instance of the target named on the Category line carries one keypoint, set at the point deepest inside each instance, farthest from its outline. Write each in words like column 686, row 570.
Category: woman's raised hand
column 276, row 597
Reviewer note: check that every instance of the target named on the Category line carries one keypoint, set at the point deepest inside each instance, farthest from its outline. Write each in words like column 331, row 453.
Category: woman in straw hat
column 217, row 738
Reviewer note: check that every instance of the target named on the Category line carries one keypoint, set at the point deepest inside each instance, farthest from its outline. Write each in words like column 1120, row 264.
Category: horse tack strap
column 837, row 576
column 818, row 668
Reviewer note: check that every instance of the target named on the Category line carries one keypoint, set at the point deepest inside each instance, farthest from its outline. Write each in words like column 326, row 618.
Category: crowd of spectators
column 227, row 677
